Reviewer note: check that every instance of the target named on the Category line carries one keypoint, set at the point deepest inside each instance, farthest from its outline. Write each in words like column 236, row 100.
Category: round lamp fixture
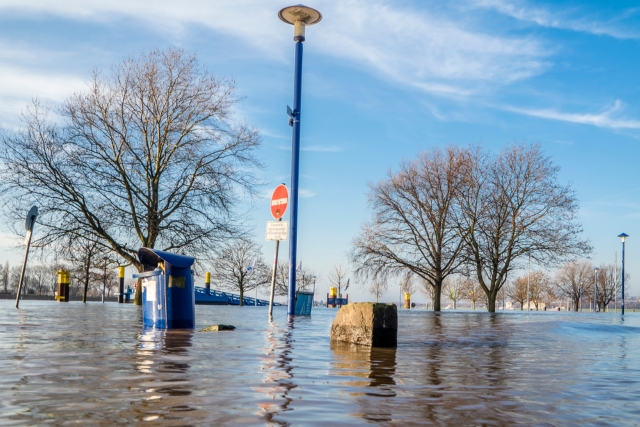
column 299, row 16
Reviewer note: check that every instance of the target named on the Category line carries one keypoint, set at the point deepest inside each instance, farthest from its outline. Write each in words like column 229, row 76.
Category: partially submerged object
column 367, row 323
column 216, row 328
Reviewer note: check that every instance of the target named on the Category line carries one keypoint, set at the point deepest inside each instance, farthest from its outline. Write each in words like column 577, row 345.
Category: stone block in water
column 216, row 328
column 367, row 323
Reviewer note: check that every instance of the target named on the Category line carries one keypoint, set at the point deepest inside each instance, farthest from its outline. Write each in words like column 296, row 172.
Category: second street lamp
column 299, row 16
column 623, row 236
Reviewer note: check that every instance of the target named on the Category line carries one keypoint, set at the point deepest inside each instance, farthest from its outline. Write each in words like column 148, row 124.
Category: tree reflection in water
column 163, row 355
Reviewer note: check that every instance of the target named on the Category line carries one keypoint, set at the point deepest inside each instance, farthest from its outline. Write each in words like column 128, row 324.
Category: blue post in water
column 295, row 167
column 299, row 16
column 623, row 236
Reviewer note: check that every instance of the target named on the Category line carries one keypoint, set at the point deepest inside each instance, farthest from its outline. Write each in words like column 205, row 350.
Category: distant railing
column 213, row 296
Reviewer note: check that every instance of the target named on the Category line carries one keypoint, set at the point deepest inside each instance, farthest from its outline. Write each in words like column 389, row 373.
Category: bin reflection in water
column 164, row 361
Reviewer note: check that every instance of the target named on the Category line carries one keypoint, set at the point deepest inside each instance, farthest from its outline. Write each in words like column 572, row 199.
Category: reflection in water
column 164, row 356
column 77, row 364
column 373, row 370
column 278, row 372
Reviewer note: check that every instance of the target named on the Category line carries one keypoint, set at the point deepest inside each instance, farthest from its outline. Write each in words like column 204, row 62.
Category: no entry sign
column 279, row 201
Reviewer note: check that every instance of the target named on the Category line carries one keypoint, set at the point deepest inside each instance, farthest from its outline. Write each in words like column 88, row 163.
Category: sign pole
column 273, row 276
column 279, row 203
column 31, row 220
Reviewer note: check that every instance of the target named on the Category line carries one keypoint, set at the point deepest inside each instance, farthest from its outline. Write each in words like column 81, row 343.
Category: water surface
column 76, row 364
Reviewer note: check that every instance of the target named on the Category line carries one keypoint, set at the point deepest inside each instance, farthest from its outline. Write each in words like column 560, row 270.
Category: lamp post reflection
column 278, row 372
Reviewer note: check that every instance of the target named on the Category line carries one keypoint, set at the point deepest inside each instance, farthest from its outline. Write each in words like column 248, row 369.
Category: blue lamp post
column 299, row 16
column 595, row 290
column 623, row 236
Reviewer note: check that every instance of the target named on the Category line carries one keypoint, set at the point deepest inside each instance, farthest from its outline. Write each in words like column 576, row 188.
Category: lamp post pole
column 595, row 290
column 623, row 236
column 299, row 16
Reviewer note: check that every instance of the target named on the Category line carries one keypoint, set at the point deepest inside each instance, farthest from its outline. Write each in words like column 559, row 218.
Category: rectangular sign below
column 277, row 230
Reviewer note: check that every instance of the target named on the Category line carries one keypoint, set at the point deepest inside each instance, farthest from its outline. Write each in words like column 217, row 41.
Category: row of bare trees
column 42, row 279
column 572, row 282
column 468, row 211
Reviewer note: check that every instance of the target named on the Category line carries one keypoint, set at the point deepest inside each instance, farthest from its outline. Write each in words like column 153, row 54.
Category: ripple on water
column 94, row 365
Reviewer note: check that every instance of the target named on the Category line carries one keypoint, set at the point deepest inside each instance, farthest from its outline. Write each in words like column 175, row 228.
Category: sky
column 382, row 82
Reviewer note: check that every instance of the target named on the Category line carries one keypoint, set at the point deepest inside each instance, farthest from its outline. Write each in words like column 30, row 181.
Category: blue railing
column 213, row 297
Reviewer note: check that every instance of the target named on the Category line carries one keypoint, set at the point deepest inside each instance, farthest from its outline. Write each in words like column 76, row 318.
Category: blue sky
column 383, row 80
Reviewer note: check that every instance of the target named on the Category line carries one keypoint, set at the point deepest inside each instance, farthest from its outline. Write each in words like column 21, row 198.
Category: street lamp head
column 299, row 16
column 623, row 236
column 596, row 270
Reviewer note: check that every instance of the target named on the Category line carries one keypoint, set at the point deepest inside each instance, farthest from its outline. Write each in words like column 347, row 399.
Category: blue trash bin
column 168, row 294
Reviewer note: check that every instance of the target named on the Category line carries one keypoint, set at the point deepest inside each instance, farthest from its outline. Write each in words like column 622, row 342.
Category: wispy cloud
column 426, row 49
column 564, row 19
column 609, row 118
column 304, row 193
column 20, row 84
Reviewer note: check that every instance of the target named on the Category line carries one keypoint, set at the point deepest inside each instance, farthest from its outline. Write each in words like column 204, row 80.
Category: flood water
column 75, row 364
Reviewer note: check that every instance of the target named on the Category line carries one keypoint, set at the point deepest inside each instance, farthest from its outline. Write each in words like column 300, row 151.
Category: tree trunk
column 87, row 267
column 241, row 296
column 473, row 305
column 576, row 304
column 491, row 303
column 437, row 291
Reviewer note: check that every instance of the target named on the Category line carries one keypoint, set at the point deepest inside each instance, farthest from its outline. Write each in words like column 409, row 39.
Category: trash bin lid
column 153, row 256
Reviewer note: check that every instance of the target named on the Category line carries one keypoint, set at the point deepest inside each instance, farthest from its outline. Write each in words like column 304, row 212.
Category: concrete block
column 366, row 323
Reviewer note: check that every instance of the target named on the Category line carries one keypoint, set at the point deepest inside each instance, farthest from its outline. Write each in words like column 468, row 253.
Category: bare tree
column 413, row 227
column 39, row 275
column 14, row 278
column 517, row 292
column 304, row 279
column 454, row 288
column 472, row 291
column 539, row 282
column 338, row 277
column 427, row 290
column 609, row 285
column 513, row 207
column 146, row 156
column 378, row 288
column 550, row 294
column 231, row 267
column 573, row 277
column 407, row 284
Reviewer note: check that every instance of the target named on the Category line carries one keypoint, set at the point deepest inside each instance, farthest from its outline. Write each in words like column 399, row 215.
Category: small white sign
column 150, row 287
column 277, row 230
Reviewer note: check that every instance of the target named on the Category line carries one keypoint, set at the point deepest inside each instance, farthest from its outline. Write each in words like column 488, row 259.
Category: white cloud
column 423, row 49
column 609, row 118
column 304, row 193
column 21, row 84
column 561, row 19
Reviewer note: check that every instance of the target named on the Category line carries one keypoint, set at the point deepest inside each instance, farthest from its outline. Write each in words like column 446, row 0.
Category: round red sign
column 279, row 201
